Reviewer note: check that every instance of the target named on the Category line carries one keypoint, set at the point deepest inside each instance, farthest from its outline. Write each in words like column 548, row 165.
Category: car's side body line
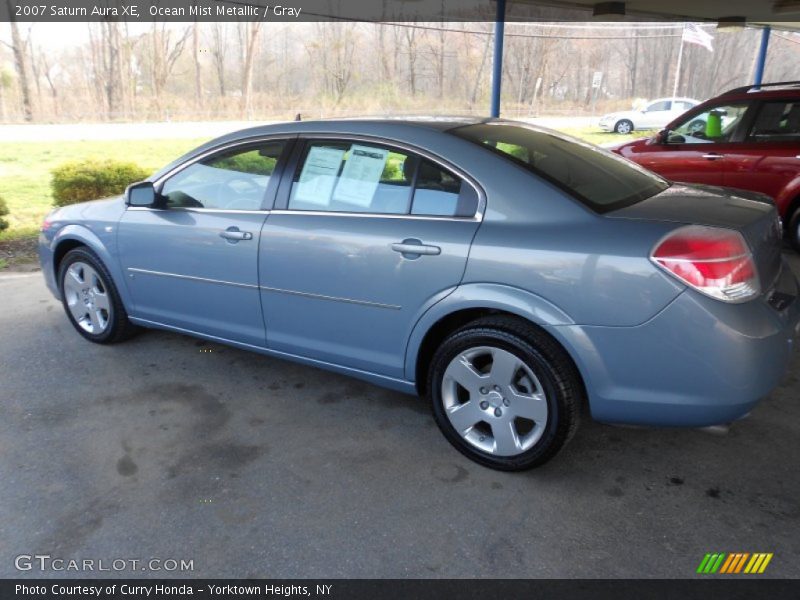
column 399, row 385
column 134, row 270
column 331, row 298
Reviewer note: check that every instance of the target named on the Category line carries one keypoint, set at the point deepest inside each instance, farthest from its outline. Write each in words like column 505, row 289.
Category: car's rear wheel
column 623, row 126
column 90, row 298
column 504, row 393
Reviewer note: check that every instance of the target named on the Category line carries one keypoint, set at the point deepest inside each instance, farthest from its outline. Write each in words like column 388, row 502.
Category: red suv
column 747, row 138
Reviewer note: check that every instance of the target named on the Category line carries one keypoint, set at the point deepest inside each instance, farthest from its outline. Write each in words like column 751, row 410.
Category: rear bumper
column 698, row 362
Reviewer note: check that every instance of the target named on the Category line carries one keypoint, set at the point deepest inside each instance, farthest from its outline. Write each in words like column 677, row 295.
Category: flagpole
column 678, row 67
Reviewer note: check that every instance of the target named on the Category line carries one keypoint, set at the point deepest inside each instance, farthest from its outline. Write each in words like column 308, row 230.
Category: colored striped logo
column 735, row 562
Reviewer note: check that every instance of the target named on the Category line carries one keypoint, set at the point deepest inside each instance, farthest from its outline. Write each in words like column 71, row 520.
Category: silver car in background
column 652, row 115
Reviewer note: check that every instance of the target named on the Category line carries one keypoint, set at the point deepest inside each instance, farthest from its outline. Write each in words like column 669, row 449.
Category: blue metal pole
column 497, row 64
column 762, row 56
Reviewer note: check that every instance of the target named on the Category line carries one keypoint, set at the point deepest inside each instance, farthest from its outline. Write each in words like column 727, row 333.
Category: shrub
column 92, row 179
column 3, row 213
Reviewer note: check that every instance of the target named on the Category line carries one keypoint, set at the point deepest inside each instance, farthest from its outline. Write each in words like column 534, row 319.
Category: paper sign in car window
column 319, row 175
column 361, row 175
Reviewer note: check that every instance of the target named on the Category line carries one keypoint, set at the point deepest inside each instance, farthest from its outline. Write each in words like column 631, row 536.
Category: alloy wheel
column 494, row 401
column 87, row 298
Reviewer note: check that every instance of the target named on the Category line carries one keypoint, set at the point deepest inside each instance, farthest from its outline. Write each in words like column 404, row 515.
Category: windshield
column 597, row 178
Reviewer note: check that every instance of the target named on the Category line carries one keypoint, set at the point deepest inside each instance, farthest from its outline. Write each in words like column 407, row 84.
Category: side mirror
column 140, row 194
column 662, row 136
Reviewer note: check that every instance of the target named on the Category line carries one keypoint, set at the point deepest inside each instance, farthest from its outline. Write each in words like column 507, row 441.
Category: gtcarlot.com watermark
column 46, row 562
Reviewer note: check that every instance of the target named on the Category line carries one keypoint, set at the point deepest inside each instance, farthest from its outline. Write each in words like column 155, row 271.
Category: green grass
column 25, row 172
column 596, row 136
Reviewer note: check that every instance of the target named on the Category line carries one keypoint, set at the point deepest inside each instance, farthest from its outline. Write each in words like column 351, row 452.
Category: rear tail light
column 714, row 261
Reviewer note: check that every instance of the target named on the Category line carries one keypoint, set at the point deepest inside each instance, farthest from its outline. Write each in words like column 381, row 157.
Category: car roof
column 339, row 124
column 777, row 89
column 438, row 122
column 351, row 125
column 400, row 127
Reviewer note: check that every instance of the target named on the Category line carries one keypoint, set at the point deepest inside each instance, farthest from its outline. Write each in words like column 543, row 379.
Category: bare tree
column 342, row 65
column 411, row 53
column 5, row 84
column 198, row 82
column 249, row 42
column 20, row 64
column 219, row 33
column 48, row 70
column 166, row 47
column 109, row 31
column 118, row 72
column 478, row 76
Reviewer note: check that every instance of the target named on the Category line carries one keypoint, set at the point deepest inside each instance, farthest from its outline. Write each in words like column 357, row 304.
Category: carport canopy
column 767, row 14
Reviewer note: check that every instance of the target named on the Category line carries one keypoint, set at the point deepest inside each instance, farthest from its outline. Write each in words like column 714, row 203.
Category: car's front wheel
column 90, row 298
column 624, row 126
column 504, row 393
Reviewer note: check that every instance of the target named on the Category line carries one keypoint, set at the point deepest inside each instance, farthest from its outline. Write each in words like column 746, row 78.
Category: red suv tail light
column 714, row 261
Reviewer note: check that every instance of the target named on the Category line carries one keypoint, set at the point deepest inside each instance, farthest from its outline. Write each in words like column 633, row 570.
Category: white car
column 653, row 115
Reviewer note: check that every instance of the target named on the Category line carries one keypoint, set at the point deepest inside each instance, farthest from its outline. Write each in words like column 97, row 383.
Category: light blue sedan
column 508, row 273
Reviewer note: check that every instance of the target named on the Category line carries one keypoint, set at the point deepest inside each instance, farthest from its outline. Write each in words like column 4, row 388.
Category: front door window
column 234, row 180
column 715, row 125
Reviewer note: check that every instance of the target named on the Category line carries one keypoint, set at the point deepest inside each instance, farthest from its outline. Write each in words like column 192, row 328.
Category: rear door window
column 353, row 177
column 777, row 122
column 361, row 177
column 599, row 179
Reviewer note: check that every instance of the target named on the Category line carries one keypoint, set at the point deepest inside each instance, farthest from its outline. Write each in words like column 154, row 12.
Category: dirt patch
column 19, row 255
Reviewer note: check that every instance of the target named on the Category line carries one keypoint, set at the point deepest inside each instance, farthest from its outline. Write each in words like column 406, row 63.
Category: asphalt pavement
column 171, row 448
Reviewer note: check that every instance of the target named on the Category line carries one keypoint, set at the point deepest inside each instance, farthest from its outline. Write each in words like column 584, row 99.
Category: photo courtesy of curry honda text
column 511, row 275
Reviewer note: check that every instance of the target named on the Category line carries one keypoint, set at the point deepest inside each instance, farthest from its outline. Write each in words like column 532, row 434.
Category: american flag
column 692, row 34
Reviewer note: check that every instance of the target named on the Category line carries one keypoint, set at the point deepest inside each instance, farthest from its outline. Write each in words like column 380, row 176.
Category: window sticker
column 361, row 175
column 319, row 175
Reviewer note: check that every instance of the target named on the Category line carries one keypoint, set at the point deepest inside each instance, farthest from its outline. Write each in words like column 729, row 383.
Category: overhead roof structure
column 778, row 14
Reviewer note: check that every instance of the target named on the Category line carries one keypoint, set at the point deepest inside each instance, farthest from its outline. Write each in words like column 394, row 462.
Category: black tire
column 793, row 230
column 552, row 366
column 118, row 327
column 623, row 126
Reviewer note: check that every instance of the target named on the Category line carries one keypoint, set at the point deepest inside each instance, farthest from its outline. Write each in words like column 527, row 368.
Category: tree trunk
column 21, row 65
column 198, row 84
column 479, row 74
column 247, row 73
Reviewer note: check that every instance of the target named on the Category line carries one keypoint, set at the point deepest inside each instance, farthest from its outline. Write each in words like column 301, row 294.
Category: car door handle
column 414, row 248
column 713, row 156
column 234, row 235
